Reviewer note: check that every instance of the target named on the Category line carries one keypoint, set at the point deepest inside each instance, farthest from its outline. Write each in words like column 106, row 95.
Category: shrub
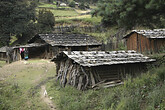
column 72, row 4
column 46, row 21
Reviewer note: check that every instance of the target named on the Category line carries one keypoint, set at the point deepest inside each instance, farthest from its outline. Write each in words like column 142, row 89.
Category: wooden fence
column 115, row 42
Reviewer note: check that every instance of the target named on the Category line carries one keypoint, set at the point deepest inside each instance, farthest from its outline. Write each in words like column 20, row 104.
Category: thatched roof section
column 152, row 34
column 67, row 39
column 97, row 58
column 3, row 49
column 30, row 45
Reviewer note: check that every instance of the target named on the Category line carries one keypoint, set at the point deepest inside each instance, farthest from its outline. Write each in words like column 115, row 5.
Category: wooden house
column 57, row 43
column 3, row 53
column 146, row 40
column 88, row 69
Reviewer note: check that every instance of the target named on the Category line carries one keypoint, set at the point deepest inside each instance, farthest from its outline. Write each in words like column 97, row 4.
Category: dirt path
column 46, row 99
column 30, row 76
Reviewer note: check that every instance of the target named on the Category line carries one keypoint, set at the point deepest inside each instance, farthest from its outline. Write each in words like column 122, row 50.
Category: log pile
column 73, row 74
column 81, row 77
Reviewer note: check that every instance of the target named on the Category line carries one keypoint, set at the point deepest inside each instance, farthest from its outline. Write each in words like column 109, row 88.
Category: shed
column 35, row 50
column 70, row 42
column 87, row 69
column 146, row 40
column 3, row 53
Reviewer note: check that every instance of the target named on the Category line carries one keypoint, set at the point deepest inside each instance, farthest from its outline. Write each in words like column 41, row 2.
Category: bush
column 160, row 73
column 82, row 6
column 155, row 98
column 72, row 4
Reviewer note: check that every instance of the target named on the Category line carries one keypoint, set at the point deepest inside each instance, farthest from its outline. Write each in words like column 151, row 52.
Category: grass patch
column 2, row 63
column 64, row 13
column 143, row 92
column 47, row 5
column 92, row 20
column 79, row 17
column 19, row 90
column 37, row 61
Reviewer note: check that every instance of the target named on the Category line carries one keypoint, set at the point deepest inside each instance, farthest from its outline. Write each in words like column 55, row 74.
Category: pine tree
column 46, row 21
column 130, row 13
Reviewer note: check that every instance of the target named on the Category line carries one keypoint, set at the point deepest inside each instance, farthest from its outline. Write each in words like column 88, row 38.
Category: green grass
column 19, row 90
column 47, row 5
column 92, row 20
column 144, row 92
column 72, row 18
column 2, row 63
column 64, row 13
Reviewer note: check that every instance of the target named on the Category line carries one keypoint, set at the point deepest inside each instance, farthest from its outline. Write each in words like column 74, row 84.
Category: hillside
column 22, row 87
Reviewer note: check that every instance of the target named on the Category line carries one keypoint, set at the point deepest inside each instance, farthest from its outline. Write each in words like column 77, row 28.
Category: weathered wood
column 112, row 85
column 92, row 78
column 87, row 78
column 80, row 83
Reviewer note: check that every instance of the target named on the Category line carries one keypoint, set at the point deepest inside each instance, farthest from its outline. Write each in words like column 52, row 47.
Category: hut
column 57, row 43
column 3, row 53
column 146, row 40
column 90, row 69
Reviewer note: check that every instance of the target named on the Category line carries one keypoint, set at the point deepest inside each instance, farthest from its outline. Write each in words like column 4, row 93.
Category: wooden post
column 140, row 44
column 137, row 43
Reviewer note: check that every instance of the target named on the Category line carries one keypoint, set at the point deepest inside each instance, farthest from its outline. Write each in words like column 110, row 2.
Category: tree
column 15, row 16
column 130, row 13
column 82, row 6
column 72, row 4
column 46, row 21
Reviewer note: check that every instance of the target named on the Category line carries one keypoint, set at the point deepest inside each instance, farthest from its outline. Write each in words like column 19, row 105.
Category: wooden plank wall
column 3, row 56
column 142, row 44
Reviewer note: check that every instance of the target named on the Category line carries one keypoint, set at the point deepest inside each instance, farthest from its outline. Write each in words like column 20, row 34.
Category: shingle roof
column 30, row 45
column 153, row 34
column 97, row 58
column 68, row 39
column 3, row 49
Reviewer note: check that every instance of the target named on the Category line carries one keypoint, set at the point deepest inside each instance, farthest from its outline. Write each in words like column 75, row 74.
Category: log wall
column 83, row 78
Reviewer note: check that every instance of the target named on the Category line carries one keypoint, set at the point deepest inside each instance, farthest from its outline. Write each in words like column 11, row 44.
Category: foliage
column 46, row 21
column 131, row 13
column 84, row 6
column 16, row 15
column 72, row 4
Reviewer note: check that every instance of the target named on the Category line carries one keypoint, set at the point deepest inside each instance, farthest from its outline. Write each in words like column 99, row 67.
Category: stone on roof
column 68, row 39
column 153, row 34
column 97, row 58
column 3, row 49
column 30, row 45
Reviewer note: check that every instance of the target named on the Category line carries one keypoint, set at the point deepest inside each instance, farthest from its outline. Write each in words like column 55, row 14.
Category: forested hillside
column 132, row 13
